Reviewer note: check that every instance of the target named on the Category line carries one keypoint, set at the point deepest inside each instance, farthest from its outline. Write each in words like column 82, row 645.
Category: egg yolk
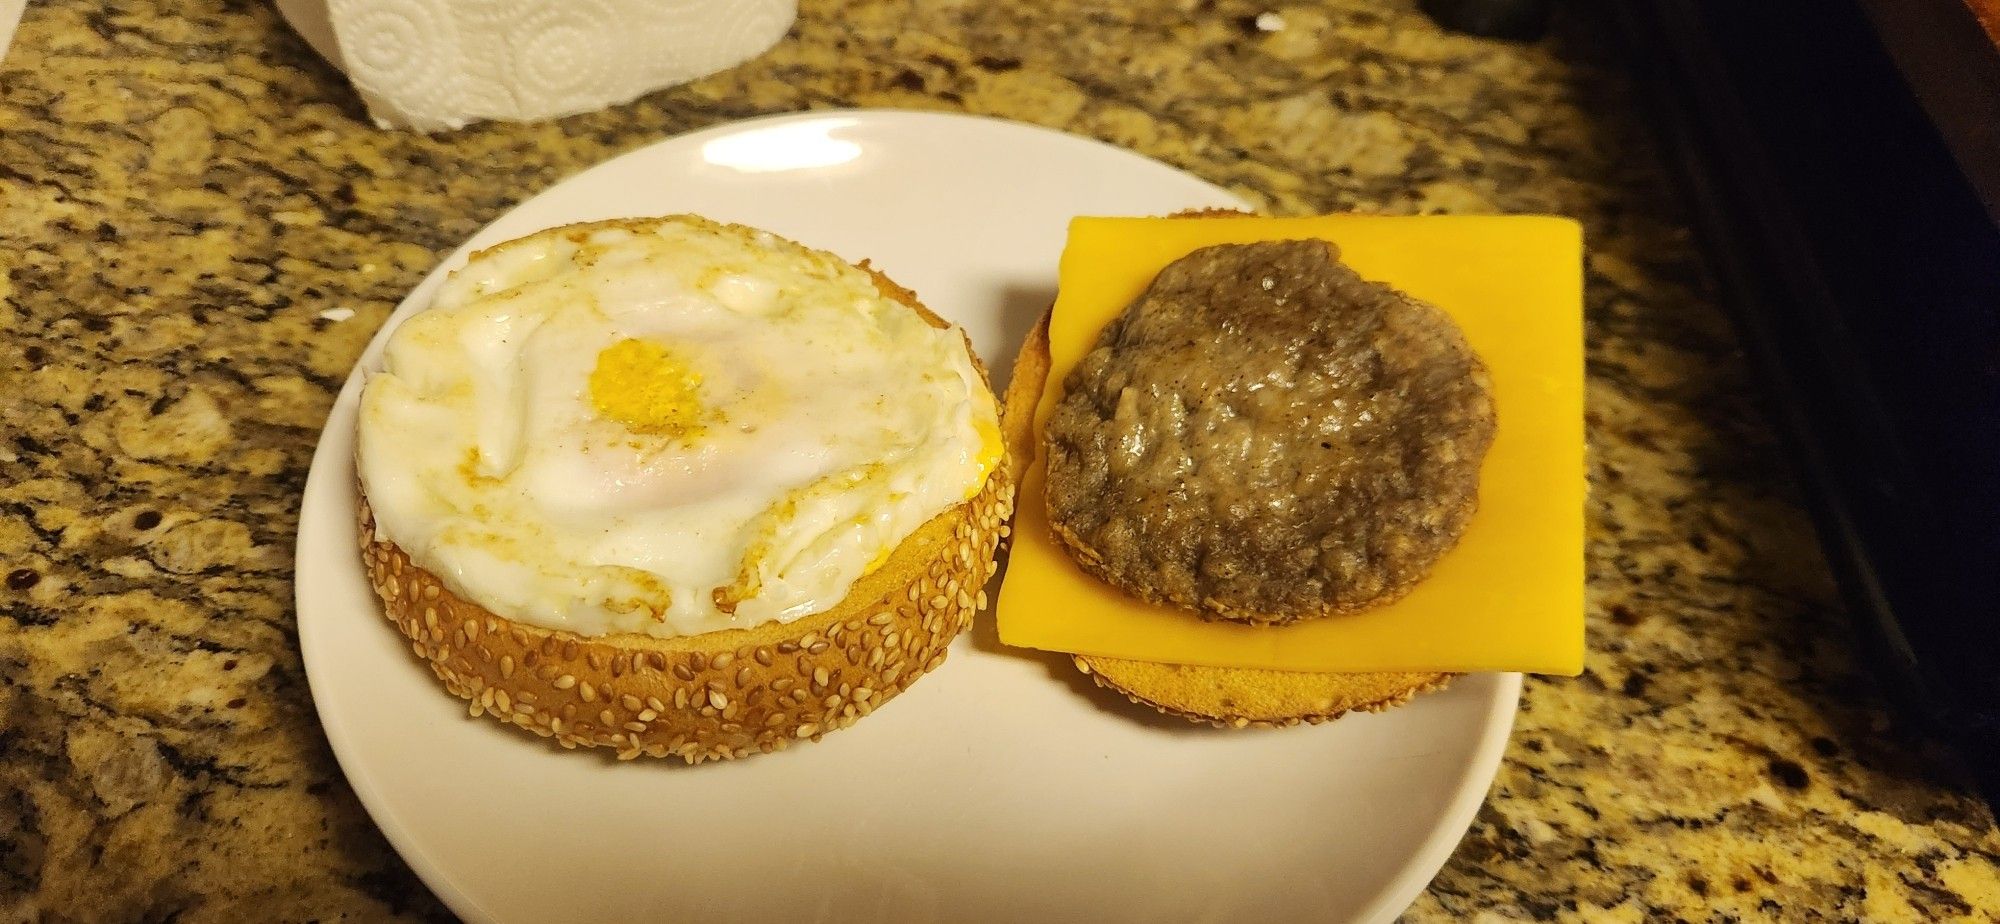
column 991, row 448
column 645, row 386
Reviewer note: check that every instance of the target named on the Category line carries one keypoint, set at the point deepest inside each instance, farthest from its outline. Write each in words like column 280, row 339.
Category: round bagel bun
column 716, row 695
column 1222, row 696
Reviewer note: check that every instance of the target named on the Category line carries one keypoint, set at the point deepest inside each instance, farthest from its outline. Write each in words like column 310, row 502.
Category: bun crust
column 1242, row 697
column 721, row 694
column 1221, row 696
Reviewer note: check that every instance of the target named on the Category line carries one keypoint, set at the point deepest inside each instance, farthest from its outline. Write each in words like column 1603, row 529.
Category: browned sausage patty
column 1264, row 436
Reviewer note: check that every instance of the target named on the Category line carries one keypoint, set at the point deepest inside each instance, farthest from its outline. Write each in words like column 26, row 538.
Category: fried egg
column 667, row 427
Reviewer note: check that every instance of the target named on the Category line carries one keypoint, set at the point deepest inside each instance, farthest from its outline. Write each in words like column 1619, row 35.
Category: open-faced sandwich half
column 1246, row 464
column 677, row 487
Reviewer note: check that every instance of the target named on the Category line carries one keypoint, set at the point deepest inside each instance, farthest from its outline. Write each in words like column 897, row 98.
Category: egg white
column 832, row 423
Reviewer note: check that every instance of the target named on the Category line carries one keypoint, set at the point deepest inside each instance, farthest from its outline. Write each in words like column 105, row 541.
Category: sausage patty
column 1265, row 436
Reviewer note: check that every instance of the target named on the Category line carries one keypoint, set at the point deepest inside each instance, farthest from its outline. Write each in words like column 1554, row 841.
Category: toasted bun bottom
column 1222, row 696
column 719, row 694
column 1238, row 697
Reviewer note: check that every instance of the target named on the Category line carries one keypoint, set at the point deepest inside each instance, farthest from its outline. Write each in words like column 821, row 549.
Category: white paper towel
column 10, row 16
column 440, row 64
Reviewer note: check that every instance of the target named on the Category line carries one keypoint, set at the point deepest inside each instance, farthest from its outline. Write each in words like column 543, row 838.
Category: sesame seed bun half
column 716, row 695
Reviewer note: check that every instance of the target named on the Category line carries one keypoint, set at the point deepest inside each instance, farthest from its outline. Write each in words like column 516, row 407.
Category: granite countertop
column 190, row 202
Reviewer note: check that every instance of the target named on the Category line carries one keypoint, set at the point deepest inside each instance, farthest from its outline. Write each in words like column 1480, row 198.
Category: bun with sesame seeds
column 756, row 686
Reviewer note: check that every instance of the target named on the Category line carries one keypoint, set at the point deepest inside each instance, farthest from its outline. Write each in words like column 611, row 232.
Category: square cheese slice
column 1508, row 597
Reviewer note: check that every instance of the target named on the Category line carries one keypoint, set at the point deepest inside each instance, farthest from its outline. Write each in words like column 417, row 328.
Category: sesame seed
column 723, row 660
column 528, row 696
column 586, row 691
column 764, row 656
column 565, row 682
column 818, row 648
column 681, row 671
column 743, row 677
column 630, row 702
column 820, row 678
column 882, row 619
column 808, row 730
column 653, row 702
column 635, row 726
column 646, row 715
column 716, row 699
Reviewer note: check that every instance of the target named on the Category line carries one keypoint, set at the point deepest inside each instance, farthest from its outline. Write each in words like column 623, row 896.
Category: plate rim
column 1391, row 898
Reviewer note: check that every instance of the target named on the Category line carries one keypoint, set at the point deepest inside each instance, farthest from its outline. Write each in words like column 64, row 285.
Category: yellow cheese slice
column 1508, row 597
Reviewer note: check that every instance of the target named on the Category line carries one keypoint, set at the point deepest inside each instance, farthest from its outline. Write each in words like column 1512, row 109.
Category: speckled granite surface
column 184, row 190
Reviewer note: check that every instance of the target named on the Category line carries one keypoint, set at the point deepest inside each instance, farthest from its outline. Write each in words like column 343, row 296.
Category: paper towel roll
column 440, row 64
column 10, row 16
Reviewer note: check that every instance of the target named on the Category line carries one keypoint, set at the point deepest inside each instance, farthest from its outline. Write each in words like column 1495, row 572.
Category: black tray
column 1843, row 160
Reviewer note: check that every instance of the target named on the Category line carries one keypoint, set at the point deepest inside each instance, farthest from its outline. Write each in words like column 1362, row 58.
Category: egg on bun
column 677, row 487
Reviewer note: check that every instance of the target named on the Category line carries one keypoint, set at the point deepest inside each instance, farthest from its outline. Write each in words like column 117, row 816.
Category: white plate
column 1003, row 787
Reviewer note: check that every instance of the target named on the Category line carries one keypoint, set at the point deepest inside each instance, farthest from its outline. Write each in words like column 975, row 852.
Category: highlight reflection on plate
column 1003, row 786
column 795, row 145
